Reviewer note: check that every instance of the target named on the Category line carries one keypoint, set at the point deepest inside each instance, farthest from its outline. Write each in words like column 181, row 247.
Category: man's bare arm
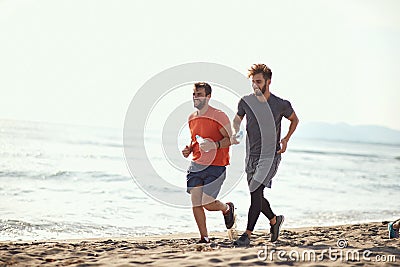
column 236, row 123
column 294, row 121
column 236, row 127
column 226, row 132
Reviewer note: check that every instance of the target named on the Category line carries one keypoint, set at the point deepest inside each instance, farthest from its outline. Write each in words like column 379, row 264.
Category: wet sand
column 345, row 245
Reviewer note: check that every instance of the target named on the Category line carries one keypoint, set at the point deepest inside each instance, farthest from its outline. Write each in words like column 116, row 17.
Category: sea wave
column 23, row 230
column 97, row 143
column 54, row 155
column 98, row 175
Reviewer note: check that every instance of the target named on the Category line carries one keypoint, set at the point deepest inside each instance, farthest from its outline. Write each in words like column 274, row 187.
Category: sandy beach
column 350, row 245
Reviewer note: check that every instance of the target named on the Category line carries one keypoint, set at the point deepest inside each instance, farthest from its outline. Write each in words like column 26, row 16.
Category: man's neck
column 203, row 110
column 267, row 94
column 264, row 97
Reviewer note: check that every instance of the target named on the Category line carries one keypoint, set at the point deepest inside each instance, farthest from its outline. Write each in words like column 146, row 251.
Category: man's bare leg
column 214, row 205
column 198, row 210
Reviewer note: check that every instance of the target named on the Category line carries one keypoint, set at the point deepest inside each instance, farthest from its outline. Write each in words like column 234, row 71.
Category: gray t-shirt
column 268, row 115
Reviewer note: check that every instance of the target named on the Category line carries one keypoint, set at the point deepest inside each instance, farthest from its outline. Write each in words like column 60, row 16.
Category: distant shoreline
column 346, row 141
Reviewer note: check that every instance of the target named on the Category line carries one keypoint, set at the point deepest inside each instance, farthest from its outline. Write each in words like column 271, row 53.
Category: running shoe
column 230, row 216
column 276, row 228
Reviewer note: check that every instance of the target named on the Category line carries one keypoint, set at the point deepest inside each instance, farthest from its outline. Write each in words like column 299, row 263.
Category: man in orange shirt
column 210, row 140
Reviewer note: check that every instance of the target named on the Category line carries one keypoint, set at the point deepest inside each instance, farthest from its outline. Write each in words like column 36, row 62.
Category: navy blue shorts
column 210, row 177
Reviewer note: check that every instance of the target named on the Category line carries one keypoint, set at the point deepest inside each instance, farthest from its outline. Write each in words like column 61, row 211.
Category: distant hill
column 346, row 132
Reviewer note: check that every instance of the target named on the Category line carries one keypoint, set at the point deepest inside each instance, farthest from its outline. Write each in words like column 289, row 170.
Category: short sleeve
column 191, row 118
column 241, row 111
column 222, row 119
column 287, row 109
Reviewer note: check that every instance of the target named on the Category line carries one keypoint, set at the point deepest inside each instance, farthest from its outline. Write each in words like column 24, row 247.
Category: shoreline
column 178, row 235
column 182, row 249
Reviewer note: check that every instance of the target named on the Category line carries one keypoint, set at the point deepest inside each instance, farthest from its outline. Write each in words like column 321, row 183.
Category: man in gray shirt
column 264, row 146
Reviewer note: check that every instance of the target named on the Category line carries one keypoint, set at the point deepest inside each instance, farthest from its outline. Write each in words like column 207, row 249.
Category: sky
column 81, row 62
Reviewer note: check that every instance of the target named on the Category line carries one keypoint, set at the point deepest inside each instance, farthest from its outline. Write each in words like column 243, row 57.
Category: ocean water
column 62, row 181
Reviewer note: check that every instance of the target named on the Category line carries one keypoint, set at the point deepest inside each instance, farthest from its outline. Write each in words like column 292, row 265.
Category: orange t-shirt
column 208, row 126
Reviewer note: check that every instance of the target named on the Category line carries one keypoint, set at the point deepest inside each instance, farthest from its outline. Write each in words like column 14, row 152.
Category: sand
column 360, row 245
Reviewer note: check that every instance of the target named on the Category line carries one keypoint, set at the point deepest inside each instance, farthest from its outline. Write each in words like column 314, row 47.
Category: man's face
column 200, row 98
column 259, row 84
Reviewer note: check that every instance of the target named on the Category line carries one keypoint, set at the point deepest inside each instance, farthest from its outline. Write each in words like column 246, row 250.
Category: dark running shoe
column 230, row 216
column 276, row 228
column 203, row 240
column 243, row 241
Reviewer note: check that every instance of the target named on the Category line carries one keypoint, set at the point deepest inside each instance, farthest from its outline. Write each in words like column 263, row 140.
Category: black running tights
column 258, row 204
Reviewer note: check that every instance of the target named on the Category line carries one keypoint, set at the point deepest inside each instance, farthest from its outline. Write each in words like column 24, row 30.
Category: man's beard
column 262, row 91
column 201, row 103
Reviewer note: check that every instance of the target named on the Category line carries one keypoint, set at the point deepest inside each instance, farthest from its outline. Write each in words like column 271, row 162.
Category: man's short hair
column 260, row 68
column 204, row 85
